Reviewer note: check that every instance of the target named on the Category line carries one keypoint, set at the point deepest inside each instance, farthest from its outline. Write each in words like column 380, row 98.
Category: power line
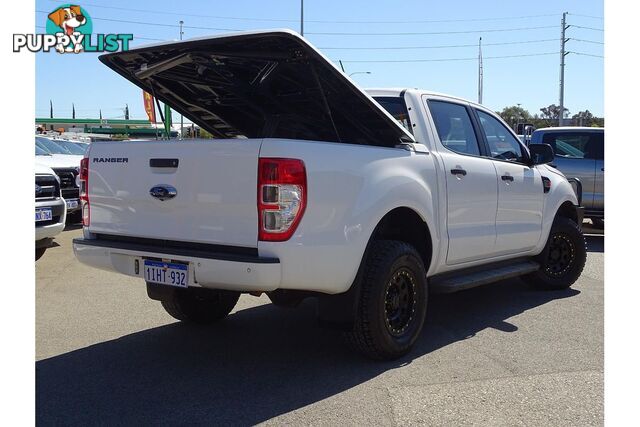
column 587, row 28
column 586, row 41
column 135, row 38
column 475, row 58
column 586, row 16
column 586, row 54
column 434, row 47
column 158, row 24
column 198, row 15
column 494, row 30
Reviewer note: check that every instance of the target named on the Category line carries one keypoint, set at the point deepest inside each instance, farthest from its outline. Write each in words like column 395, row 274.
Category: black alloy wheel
column 562, row 255
column 400, row 301
column 563, row 258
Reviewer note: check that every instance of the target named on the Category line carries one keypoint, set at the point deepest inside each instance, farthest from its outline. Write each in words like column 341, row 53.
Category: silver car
column 579, row 154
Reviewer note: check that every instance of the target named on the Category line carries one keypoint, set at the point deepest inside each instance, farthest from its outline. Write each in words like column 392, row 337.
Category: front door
column 520, row 191
column 575, row 158
column 472, row 193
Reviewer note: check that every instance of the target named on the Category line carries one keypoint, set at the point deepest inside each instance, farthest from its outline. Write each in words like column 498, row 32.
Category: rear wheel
column 392, row 303
column 563, row 258
column 199, row 305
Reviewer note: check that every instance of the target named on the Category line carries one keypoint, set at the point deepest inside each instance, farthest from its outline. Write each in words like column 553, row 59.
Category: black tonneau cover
column 258, row 85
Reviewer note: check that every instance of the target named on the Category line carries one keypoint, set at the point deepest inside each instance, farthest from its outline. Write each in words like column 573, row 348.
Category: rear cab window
column 396, row 106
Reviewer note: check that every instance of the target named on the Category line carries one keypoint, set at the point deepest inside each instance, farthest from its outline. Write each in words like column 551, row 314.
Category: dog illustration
column 68, row 19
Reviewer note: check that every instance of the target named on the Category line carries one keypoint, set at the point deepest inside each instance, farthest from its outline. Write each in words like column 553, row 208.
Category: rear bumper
column 209, row 270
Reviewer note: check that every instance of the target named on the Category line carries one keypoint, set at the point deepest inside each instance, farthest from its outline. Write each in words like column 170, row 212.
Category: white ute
column 51, row 209
column 313, row 188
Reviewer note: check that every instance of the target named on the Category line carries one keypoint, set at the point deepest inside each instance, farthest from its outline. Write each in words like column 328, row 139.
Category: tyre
column 199, row 305
column 40, row 252
column 392, row 303
column 563, row 258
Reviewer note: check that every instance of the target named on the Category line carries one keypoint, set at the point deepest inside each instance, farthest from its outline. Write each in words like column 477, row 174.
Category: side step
column 470, row 278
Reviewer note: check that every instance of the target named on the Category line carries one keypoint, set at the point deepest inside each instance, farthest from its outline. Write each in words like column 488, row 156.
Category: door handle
column 602, row 169
column 458, row 172
column 507, row 178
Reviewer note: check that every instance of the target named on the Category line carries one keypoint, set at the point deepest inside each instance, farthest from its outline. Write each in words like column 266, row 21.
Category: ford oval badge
column 163, row 192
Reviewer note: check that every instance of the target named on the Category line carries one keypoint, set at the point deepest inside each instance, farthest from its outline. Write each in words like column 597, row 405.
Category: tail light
column 282, row 197
column 84, row 191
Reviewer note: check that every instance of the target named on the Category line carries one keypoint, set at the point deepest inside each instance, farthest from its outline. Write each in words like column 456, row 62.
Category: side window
column 576, row 145
column 567, row 144
column 502, row 144
column 454, row 127
column 595, row 149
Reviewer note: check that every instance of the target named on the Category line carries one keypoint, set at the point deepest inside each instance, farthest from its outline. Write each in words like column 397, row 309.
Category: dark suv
column 579, row 153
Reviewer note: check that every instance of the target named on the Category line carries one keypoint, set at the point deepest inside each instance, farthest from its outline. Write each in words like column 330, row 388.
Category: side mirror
column 541, row 154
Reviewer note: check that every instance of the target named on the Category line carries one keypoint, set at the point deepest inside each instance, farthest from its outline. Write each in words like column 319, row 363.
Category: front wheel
column 392, row 303
column 563, row 258
column 200, row 305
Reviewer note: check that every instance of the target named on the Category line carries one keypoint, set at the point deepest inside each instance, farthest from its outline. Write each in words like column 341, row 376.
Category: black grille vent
column 47, row 187
column 68, row 182
column 67, row 177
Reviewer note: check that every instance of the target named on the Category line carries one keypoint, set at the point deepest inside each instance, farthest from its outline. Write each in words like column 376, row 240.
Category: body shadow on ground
column 255, row 365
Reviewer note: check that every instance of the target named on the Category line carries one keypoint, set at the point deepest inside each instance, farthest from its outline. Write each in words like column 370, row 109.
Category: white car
column 51, row 153
column 51, row 209
column 368, row 201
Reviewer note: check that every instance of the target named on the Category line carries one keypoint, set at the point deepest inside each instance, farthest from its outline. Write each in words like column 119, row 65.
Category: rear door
column 472, row 193
column 520, row 192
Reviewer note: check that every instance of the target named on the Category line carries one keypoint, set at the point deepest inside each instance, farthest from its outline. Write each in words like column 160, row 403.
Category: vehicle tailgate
column 215, row 184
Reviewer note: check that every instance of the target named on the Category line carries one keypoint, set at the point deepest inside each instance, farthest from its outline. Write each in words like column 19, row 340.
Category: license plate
column 43, row 214
column 166, row 273
column 72, row 204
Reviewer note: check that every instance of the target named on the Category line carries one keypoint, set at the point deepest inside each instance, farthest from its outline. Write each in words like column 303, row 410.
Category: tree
column 514, row 115
column 584, row 118
column 552, row 112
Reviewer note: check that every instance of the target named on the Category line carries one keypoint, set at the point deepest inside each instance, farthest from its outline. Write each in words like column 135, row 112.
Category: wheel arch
column 401, row 223
column 568, row 210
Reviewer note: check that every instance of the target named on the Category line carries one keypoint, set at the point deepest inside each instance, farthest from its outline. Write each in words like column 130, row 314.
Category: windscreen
column 51, row 146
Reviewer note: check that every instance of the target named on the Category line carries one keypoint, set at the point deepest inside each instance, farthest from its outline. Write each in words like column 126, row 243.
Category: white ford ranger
column 367, row 201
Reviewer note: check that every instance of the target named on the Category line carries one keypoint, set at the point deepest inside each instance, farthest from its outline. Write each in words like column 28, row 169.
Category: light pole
column 302, row 18
column 181, row 117
column 359, row 72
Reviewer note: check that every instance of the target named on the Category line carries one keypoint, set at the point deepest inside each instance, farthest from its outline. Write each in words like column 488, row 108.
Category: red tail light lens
column 84, row 191
column 282, row 197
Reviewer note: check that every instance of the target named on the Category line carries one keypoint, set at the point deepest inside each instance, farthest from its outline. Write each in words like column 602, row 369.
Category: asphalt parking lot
column 502, row 354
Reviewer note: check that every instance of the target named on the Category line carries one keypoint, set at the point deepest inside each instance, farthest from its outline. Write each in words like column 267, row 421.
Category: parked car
column 314, row 188
column 51, row 209
column 579, row 153
column 66, row 166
